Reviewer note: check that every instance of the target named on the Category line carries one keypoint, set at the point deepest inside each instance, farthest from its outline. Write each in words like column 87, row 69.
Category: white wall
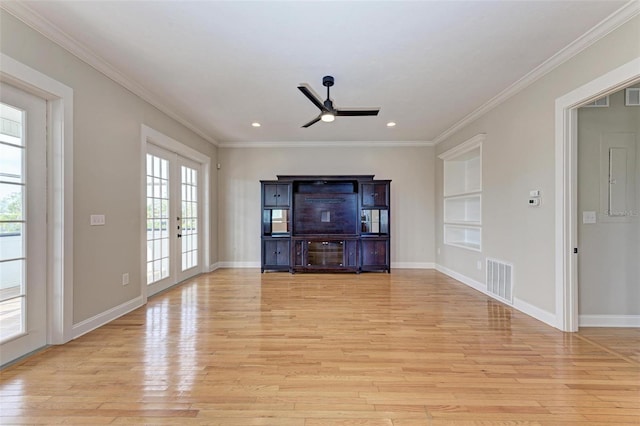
column 412, row 194
column 609, row 261
column 107, row 175
column 518, row 156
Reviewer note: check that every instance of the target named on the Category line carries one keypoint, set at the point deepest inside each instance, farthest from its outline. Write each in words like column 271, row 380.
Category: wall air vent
column 632, row 96
column 500, row 280
column 598, row 103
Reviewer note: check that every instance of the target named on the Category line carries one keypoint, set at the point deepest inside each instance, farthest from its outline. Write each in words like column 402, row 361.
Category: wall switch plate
column 125, row 278
column 534, row 201
column 97, row 220
column 534, row 193
column 479, row 265
column 589, row 217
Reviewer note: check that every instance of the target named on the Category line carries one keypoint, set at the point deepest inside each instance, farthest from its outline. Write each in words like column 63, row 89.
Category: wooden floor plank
column 414, row 347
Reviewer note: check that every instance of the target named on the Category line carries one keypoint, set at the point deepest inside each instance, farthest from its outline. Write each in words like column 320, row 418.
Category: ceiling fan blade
column 312, row 97
column 356, row 112
column 315, row 120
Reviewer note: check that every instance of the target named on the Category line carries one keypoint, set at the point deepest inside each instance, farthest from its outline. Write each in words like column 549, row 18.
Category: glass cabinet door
column 276, row 222
column 325, row 253
column 374, row 221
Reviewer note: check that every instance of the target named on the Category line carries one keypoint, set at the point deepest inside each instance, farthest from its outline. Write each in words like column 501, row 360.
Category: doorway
column 23, row 227
column 176, row 212
column 608, row 213
column 566, row 113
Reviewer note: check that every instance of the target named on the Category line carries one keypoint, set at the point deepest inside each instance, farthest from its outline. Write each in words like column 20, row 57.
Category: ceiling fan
column 327, row 112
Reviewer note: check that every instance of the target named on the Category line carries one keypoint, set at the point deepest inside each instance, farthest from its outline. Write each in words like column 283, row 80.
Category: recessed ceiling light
column 255, row 124
column 391, row 124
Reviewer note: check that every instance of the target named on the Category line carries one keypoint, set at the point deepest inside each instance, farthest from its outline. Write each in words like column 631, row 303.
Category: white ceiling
column 221, row 65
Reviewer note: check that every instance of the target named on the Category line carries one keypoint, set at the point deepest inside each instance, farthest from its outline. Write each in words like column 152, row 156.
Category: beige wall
column 106, row 169
column 412, row 193
column 609, row 262
column 518, row 156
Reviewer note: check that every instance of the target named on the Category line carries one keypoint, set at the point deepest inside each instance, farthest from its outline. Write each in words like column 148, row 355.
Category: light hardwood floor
column 236, row 347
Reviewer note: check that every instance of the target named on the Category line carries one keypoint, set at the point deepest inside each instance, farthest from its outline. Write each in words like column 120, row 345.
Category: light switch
column 588, row 217
column 97, row 220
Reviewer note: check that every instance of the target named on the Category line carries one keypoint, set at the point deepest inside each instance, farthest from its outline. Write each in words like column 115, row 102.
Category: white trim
column 606, row 26
column 413, row 265
column 398, row 265
column 609, row 320
column 464, row 147
column 566, row 119
column 149, row 135
column 90, row 324
column 326, row 144
column 36, row 21
column 233, row 264
column 520, row 305
column 546, row 317
column 59, row 191
column 477, row 285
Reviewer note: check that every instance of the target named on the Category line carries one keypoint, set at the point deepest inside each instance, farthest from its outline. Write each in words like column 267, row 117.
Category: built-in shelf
column 463, row 194
column 463, row 209
column 465, row 236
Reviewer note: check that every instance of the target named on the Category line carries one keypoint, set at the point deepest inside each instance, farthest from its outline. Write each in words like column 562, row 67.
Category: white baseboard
column 522, row 306
column 90, row 324
column 238, row 265
column 399, row 265
column 413, row 265
column 609, row 320
column 535, row 312
column 462, row 278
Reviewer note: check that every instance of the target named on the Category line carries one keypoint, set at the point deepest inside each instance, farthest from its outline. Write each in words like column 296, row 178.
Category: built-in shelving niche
column 463, row 194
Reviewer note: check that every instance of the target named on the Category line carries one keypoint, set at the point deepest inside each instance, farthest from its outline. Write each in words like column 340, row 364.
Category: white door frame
column 59, row 191
column 566, row 223
column 152, row 136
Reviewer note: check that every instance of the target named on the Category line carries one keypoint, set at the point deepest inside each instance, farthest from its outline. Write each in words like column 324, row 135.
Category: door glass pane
column 157, row 218
column 12, row 314
column 12, row 224
column 11, row 241
column 189, row 217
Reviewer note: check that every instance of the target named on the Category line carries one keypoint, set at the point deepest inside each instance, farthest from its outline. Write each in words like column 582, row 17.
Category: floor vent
column 500, row 280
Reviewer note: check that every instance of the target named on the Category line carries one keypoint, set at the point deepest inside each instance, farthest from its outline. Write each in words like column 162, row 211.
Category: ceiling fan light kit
column 327, row 117
column 327, row 112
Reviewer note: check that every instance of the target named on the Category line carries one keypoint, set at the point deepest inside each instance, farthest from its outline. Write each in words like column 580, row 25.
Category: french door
column 173, row 218
column 23, row 228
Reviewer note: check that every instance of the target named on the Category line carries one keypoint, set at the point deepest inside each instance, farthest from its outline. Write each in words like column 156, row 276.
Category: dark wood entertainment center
column 326, row 224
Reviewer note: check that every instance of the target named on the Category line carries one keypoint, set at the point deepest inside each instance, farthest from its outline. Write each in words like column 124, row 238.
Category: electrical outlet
column 438, row 250
column 479, row 265
column 125, row 278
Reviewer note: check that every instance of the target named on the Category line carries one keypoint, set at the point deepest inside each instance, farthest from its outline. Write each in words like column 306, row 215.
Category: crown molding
column 464, row 147
column 618, row 18
column 73, row 46
column 327, row 144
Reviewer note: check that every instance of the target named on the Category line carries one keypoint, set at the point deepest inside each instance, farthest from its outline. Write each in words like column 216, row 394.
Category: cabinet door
column 374, row 253
column 351, row 253
column 299, row 256
column 374, row 194
column 276, row 195
column 276, row 252
column 283, row 195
